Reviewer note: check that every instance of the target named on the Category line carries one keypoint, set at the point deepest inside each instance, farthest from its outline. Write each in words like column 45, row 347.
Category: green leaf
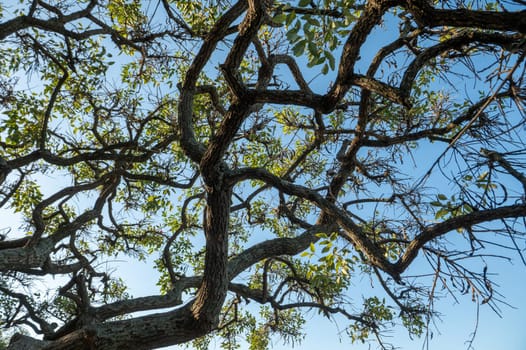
column 292, row 35
column 290, row 17
column 332, row 61
column 299, row 48
column 279, row 18
column 441, row 213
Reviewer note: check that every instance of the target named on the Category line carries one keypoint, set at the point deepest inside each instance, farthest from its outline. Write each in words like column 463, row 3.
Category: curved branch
column 456, row 42
column 192, row 148
column 351, row 231
column 467, row 220
column 255, row 294
column 294, row 69
column 370, row 18
column 426, row 15
column 240, row 108
column 499, row 158
column 236, row 265
column 273, row 248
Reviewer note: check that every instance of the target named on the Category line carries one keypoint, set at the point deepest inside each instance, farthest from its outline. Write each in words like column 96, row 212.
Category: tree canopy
column 266, row 152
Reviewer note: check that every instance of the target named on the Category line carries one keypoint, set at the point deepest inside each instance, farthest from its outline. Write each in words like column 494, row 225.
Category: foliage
column 264, row 158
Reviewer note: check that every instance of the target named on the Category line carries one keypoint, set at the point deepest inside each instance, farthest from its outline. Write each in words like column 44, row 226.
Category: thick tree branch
column 189, row 143
column 428, row 16
column 350, row 230
column 463, row 221
column 371, row 17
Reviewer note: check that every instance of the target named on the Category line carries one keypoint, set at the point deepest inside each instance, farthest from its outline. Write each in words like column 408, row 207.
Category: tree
column 269, row 152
